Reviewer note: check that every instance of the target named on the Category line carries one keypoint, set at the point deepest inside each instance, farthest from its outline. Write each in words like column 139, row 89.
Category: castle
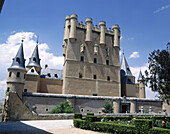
column 92, row 73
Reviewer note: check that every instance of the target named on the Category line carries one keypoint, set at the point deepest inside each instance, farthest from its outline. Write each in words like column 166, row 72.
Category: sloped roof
column 124, row 66
column 140, row 76
column 32, row 71
column 34, row 60
column 19, row 61
column 52, row 73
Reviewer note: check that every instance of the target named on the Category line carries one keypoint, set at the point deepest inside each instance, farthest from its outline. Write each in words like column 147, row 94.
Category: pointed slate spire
column 124, row 66
column 34, row 60
column 140, row 76
column 19, row 61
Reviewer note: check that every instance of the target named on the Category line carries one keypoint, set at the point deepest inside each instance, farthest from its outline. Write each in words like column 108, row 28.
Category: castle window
column 81, row 58
column 8, row 89
column 107, row 62
column 94, row 94
column 34, row 59
column 18, row 74
column 25, row 90
column 49, row 75
column 95, row 60
column 10, row 73
column 94, row 77
column 24, row 76
column 32, row 70
column 80, row 75
column 46, row 109
column 108, row 78
column 82, row 110
column 17, row 59
column 55, row 75
column 38, row 72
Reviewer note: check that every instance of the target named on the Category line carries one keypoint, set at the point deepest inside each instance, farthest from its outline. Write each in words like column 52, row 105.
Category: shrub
column 63, row 107
column 143, row 125
column 78, row 116
column 159, row 131
column 90, row 114
column 108, row 106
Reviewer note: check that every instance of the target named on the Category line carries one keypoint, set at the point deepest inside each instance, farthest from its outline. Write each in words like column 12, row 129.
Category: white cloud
column 9, row 49
column 134, row 55
column 131, row 38
column 135, row 72
column 161, row 9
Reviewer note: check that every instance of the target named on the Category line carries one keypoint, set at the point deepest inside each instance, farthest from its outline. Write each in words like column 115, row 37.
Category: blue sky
column 144, row 24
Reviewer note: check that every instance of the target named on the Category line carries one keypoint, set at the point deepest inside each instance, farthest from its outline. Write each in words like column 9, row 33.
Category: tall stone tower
column 15, row 85
column 141, row 85
column 16, row 73
column 91, row 58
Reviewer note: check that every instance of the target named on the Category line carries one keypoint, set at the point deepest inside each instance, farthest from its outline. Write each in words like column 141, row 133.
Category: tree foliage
column 108, row 106
column 158, row 74
column 63, row 107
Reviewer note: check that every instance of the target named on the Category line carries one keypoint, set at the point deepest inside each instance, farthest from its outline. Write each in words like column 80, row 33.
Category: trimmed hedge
column 78, row 116
column 143, row 125
column 90, row 114
column 159, row 131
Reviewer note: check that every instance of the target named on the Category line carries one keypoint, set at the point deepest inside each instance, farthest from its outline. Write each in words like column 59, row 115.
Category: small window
column 46, row 109
column 107, row 62
column 80, row 75
column 49, row 75
column 55, row 75
column 38, row 72
column 32, row 70
column 17, row 59
column 81, row 58
column 95, row 60
column 8, row 89
column 10, row 73
column 94, row 77
column 94, row 94
column 18, row 74
column 25, row 90
column 129, row 80
column 34, row 59
column 108, row 78
column 24, row 76
column 82, row 110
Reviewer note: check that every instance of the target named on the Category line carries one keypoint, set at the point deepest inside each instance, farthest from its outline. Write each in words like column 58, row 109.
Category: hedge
column 78, row 116
column 159, row 131
column 143, row 125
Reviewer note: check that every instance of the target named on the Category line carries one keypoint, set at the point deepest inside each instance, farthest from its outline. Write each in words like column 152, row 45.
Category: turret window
column 108, row 78
column 95, row 60
column 32, row 70
column 18, row 74
column 10, row 74
column 80, row 75
column 94, row 77
column 24, row 76
column 8, row 89
column 107, row 62
column 17, row 59
column 34, row 59
column 82, row 58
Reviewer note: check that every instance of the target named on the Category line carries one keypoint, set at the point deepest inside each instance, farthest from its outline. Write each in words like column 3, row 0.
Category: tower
column 32, row 83
column 34, row 61
column 16, row 73
column 91, row 58
column 128, row 86
column 141, row 85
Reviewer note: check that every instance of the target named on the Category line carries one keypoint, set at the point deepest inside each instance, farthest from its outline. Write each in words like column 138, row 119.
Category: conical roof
column 19, row 61
column 124, row 66
column 34, row 60
column 140, row 76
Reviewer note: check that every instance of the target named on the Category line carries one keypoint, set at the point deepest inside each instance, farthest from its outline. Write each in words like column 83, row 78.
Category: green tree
column 158, row 74
column 108, row 106
column 63, row 107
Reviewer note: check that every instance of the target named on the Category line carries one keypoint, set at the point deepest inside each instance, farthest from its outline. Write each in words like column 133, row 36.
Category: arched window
column 32, row 70
column 49, row 75
column 18, row 74
column 17, row 59
column 34, row 59
column 55, row 75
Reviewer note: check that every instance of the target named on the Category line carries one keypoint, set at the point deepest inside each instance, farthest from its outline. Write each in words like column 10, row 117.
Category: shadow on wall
column 19, row 127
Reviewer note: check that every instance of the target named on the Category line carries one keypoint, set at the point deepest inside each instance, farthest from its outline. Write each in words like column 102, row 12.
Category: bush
column 108, row 106
column 78, row 116
column 90, row 114
column 159, row 131
column 63, row 107
column 143, row 125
